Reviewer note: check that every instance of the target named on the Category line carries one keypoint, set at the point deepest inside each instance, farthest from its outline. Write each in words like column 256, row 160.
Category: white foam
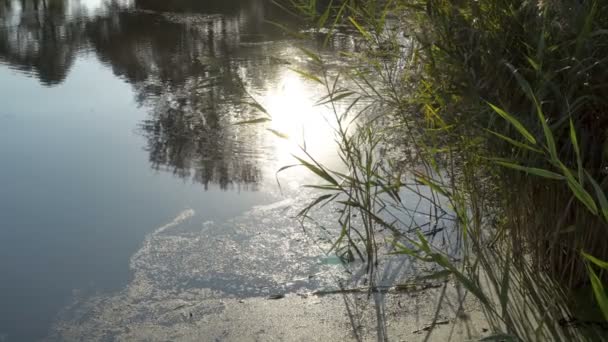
column 183, row 216
column 275, row 205
column 146, row 245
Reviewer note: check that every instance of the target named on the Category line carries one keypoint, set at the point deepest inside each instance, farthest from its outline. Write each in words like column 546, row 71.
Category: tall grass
column 498, row 109
column 541, row 66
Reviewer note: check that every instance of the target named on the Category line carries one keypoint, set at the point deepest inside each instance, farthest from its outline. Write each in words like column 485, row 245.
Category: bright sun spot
column 292, row 106
column 291, row 103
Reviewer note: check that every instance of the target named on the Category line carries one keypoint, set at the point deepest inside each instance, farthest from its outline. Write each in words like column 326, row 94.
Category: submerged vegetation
column 493, row 113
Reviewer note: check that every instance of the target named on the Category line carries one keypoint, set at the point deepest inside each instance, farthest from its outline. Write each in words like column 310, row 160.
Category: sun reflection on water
column 309, row 127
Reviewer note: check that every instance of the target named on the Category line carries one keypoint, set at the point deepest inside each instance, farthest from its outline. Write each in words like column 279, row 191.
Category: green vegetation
column 496, row 112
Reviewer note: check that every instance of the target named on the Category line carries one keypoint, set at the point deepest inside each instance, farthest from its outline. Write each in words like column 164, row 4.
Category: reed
column 497, row 109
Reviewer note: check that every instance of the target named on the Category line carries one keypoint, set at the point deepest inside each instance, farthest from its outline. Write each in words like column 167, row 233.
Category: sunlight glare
column 291, row 103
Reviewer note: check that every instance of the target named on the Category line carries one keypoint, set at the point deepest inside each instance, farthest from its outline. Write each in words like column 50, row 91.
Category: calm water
column 116, row 116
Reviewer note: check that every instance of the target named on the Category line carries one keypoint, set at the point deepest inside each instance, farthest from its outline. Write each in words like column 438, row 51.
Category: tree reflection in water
column 185, row 59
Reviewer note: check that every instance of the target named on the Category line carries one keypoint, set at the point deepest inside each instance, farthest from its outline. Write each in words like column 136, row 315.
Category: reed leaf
column 253, row 121
column 514, row 142
column 360, row 28
column 307, row 75
column 520, row 128
column 577, row 151
column 599, row 292
column 531, row 170
column 596, row 261
column 600, row 195
column 319, row 171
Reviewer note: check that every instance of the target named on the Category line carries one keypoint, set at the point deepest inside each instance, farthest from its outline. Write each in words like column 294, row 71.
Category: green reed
column 498, row 111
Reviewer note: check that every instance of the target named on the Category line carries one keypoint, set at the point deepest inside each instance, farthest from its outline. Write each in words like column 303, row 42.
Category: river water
column 132, row 203
column 117, row 120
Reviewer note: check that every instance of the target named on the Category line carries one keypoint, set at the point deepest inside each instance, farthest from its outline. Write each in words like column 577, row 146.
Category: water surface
column 116, row 117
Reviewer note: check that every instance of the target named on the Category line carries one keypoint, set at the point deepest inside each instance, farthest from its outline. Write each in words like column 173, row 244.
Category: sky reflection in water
column 118, row 115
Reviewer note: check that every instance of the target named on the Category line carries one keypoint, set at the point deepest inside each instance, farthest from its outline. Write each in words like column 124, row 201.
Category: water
column 116, row 117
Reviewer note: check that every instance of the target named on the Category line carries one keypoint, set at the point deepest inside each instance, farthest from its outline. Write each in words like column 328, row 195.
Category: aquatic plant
column 495, row 113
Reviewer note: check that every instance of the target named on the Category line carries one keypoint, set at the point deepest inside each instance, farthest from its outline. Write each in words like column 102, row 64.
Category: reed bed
column 493, row 111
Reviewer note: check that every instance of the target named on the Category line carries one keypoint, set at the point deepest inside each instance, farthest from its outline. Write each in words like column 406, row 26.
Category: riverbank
column 204, row 316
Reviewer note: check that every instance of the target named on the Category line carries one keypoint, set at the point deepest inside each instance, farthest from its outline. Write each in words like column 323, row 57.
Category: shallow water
column 127, row 185
column 118, row 116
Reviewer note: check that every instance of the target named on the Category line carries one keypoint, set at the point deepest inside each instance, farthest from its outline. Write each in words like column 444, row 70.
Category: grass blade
column 601, row 196
column 531, row 170
column 359, row 28
column 314, row 203
column 318, row 171
column 315, row 57
column 253, row 121
column 514, row 142
column 596, row 261
column 307, row 75
column 278, row 134
column 577, row 151
column 579, row 191
column 599, row 292
column 520, row 128
column 257, row 106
